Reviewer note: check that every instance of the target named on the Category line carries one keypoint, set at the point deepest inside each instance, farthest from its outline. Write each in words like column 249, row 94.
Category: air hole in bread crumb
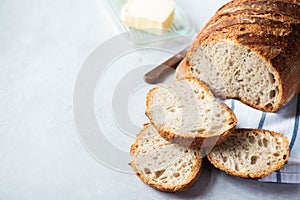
column 284, row 157
column 265, row 142
column 253, row 160
column 176, row 174
column 276, row 154
column 236, row 167
column 272, row 94
column 259, row 143
column 269, row 106
column 272, row 78
column 230, row 123
column 242, row 29
column 252, row 139
column 147, row 171
column 224, row 158
column 159, row 173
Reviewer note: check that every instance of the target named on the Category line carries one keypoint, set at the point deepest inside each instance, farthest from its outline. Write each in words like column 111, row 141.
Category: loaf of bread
column 251, row 153
column 163, row 165
column 249, row 50
column 187, row 113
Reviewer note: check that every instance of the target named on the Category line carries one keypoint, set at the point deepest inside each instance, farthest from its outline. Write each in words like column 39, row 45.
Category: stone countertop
column 43, row 45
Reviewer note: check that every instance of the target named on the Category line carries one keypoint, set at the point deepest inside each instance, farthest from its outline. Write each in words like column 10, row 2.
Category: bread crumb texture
column 163, row 165
column 186, row 109
column 251, row 153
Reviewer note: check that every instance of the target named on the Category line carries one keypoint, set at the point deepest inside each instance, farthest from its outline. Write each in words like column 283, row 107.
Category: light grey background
column 43, row 44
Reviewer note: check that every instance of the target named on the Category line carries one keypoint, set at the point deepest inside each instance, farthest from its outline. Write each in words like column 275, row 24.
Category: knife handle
column 157, row 74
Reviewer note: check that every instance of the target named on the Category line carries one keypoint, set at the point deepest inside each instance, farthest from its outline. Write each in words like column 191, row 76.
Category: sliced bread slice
column 187, row 113
column 163, row 165
column 251, row 153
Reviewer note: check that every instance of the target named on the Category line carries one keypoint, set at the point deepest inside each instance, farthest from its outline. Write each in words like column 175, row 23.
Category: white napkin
column 285, row 121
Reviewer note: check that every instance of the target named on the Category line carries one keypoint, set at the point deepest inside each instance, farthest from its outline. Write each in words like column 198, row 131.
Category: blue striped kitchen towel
column 285, row 121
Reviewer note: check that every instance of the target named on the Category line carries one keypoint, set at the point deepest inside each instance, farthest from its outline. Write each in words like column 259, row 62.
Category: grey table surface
column 43, row 45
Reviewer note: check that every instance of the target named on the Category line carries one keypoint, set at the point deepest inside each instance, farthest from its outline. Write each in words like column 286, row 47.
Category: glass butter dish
column 181, row 25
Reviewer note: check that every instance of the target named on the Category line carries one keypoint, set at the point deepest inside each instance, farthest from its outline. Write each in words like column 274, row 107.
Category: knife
column 159, row 73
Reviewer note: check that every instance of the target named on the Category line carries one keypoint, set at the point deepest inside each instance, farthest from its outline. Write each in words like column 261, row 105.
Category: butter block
column 155, row 16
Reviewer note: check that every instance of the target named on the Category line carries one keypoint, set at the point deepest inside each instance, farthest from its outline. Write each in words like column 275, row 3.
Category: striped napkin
column 285, row 121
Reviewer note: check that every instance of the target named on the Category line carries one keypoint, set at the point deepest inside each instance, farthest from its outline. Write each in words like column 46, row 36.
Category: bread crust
column 249, row 174
column 168, row 188
column 286, row 10
column 193, row 141
column 274, row 39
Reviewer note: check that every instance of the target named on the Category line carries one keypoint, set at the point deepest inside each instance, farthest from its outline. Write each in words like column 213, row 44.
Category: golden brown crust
column 168, row 188
column 193, row 141
column 250, row 174
column 242, row 24
column 286, row 10
column 274, row 39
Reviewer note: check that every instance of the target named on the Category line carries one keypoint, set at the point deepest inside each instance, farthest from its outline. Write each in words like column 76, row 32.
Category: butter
column 155, row 16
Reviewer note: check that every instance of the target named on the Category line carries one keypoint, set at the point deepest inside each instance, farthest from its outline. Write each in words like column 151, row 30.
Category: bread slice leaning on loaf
column 249, row 50
column 163, row 165
column 251, row 153
column 187, row 113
